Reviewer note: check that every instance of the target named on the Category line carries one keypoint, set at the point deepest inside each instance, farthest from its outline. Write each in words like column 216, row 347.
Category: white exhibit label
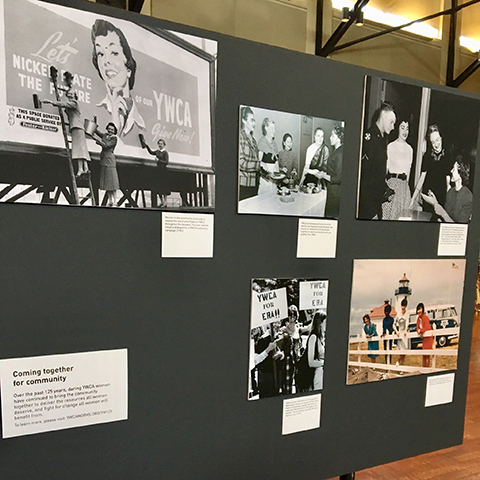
column 313, row 294
column 268, row 307
column 187, row 235
column 54, row 392
column 317, row 238
column 300, row 414
column 439, row 389
column 452, row 239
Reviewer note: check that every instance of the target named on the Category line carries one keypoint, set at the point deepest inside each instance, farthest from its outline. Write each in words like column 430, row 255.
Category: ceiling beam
column 472, row 68
column 329, row 46
column 399, row 27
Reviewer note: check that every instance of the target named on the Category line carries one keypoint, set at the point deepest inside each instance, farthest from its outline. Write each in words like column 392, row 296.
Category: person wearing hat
column 333, row 172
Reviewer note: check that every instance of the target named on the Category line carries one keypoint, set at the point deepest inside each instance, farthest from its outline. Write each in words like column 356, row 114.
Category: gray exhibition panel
column 84, row 279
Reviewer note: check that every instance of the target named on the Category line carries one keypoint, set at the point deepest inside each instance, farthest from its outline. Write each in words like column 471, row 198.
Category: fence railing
column 435, row 352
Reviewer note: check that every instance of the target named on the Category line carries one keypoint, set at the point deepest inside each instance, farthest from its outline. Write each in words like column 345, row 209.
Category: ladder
column 68, row 145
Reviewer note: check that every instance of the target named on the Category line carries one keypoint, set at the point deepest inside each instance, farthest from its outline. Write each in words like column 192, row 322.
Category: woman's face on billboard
column 111, row 61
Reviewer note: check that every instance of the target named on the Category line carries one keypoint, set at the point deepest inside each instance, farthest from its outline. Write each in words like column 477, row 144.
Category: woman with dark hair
column 113, row 59
column 287, row 160
column 249, row 163
column 423, row 325
column 370, row 331
column 437, row 164
column 316, row 350
column 108, row 164
column 161, row 156
column 459, row 199
column 268, row 155
column 399, row 163
column 333, row 172
column 315, row 158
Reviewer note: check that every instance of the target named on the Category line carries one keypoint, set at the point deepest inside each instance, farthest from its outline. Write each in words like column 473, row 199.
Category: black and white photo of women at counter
column 289, row 164
column 418, row 154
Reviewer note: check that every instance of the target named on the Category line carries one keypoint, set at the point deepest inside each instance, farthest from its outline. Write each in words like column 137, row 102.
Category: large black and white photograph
column 99, row 111
column 287, row 336
column 418, row 153
column 405, row 318
column 289, row 164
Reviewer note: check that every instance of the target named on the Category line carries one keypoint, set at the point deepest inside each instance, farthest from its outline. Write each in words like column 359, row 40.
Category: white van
column 441, row 317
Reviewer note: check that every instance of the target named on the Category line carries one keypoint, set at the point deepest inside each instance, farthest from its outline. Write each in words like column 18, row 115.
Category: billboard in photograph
column 152, row 84
column 418, row 153
column 287, row 336
column 289, row 164
column 405, row 318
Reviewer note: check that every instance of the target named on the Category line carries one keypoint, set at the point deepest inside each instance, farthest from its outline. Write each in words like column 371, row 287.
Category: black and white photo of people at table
column 418, row 153
column 289, row 164
column 287, row 350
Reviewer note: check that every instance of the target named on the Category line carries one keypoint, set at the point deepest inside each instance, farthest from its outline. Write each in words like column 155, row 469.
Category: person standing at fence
column 423, row 325
column 387, row 329
column 401, row 328
column 316, row 350
column 370, row 331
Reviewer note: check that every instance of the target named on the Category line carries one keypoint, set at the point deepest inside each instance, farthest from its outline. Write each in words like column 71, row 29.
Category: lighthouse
column 403, row 291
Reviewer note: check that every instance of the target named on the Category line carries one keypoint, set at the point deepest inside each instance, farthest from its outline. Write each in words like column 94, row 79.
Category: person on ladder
column 75, row 125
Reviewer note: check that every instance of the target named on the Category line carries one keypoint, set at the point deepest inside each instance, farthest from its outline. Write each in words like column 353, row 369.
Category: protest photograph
column 418, row 153
column 287, row 336
column 289, row 164
column 99, row 111
column 405, row 318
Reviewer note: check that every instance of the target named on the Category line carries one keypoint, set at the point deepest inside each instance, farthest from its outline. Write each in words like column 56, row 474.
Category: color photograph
column 405, row 318
column 100, row 111
column 289, row 164
column 418, row 154
column 287, row 336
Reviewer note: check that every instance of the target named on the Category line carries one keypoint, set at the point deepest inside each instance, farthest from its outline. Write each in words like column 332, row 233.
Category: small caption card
column 317, row 238
column 187, row 235
column 300, row 414
column 452, row 239
column 439, row 389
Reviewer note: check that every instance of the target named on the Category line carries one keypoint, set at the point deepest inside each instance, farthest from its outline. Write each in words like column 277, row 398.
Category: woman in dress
column 287, row 160
column 333, row 173
column 370, row 331
column 268, row 155
column 161, row 156
column 108, row 164
column 399, row 163
column 75, row 125
column 315, row 159
column 316, row 350
column 459, row 199
column 423, row 325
